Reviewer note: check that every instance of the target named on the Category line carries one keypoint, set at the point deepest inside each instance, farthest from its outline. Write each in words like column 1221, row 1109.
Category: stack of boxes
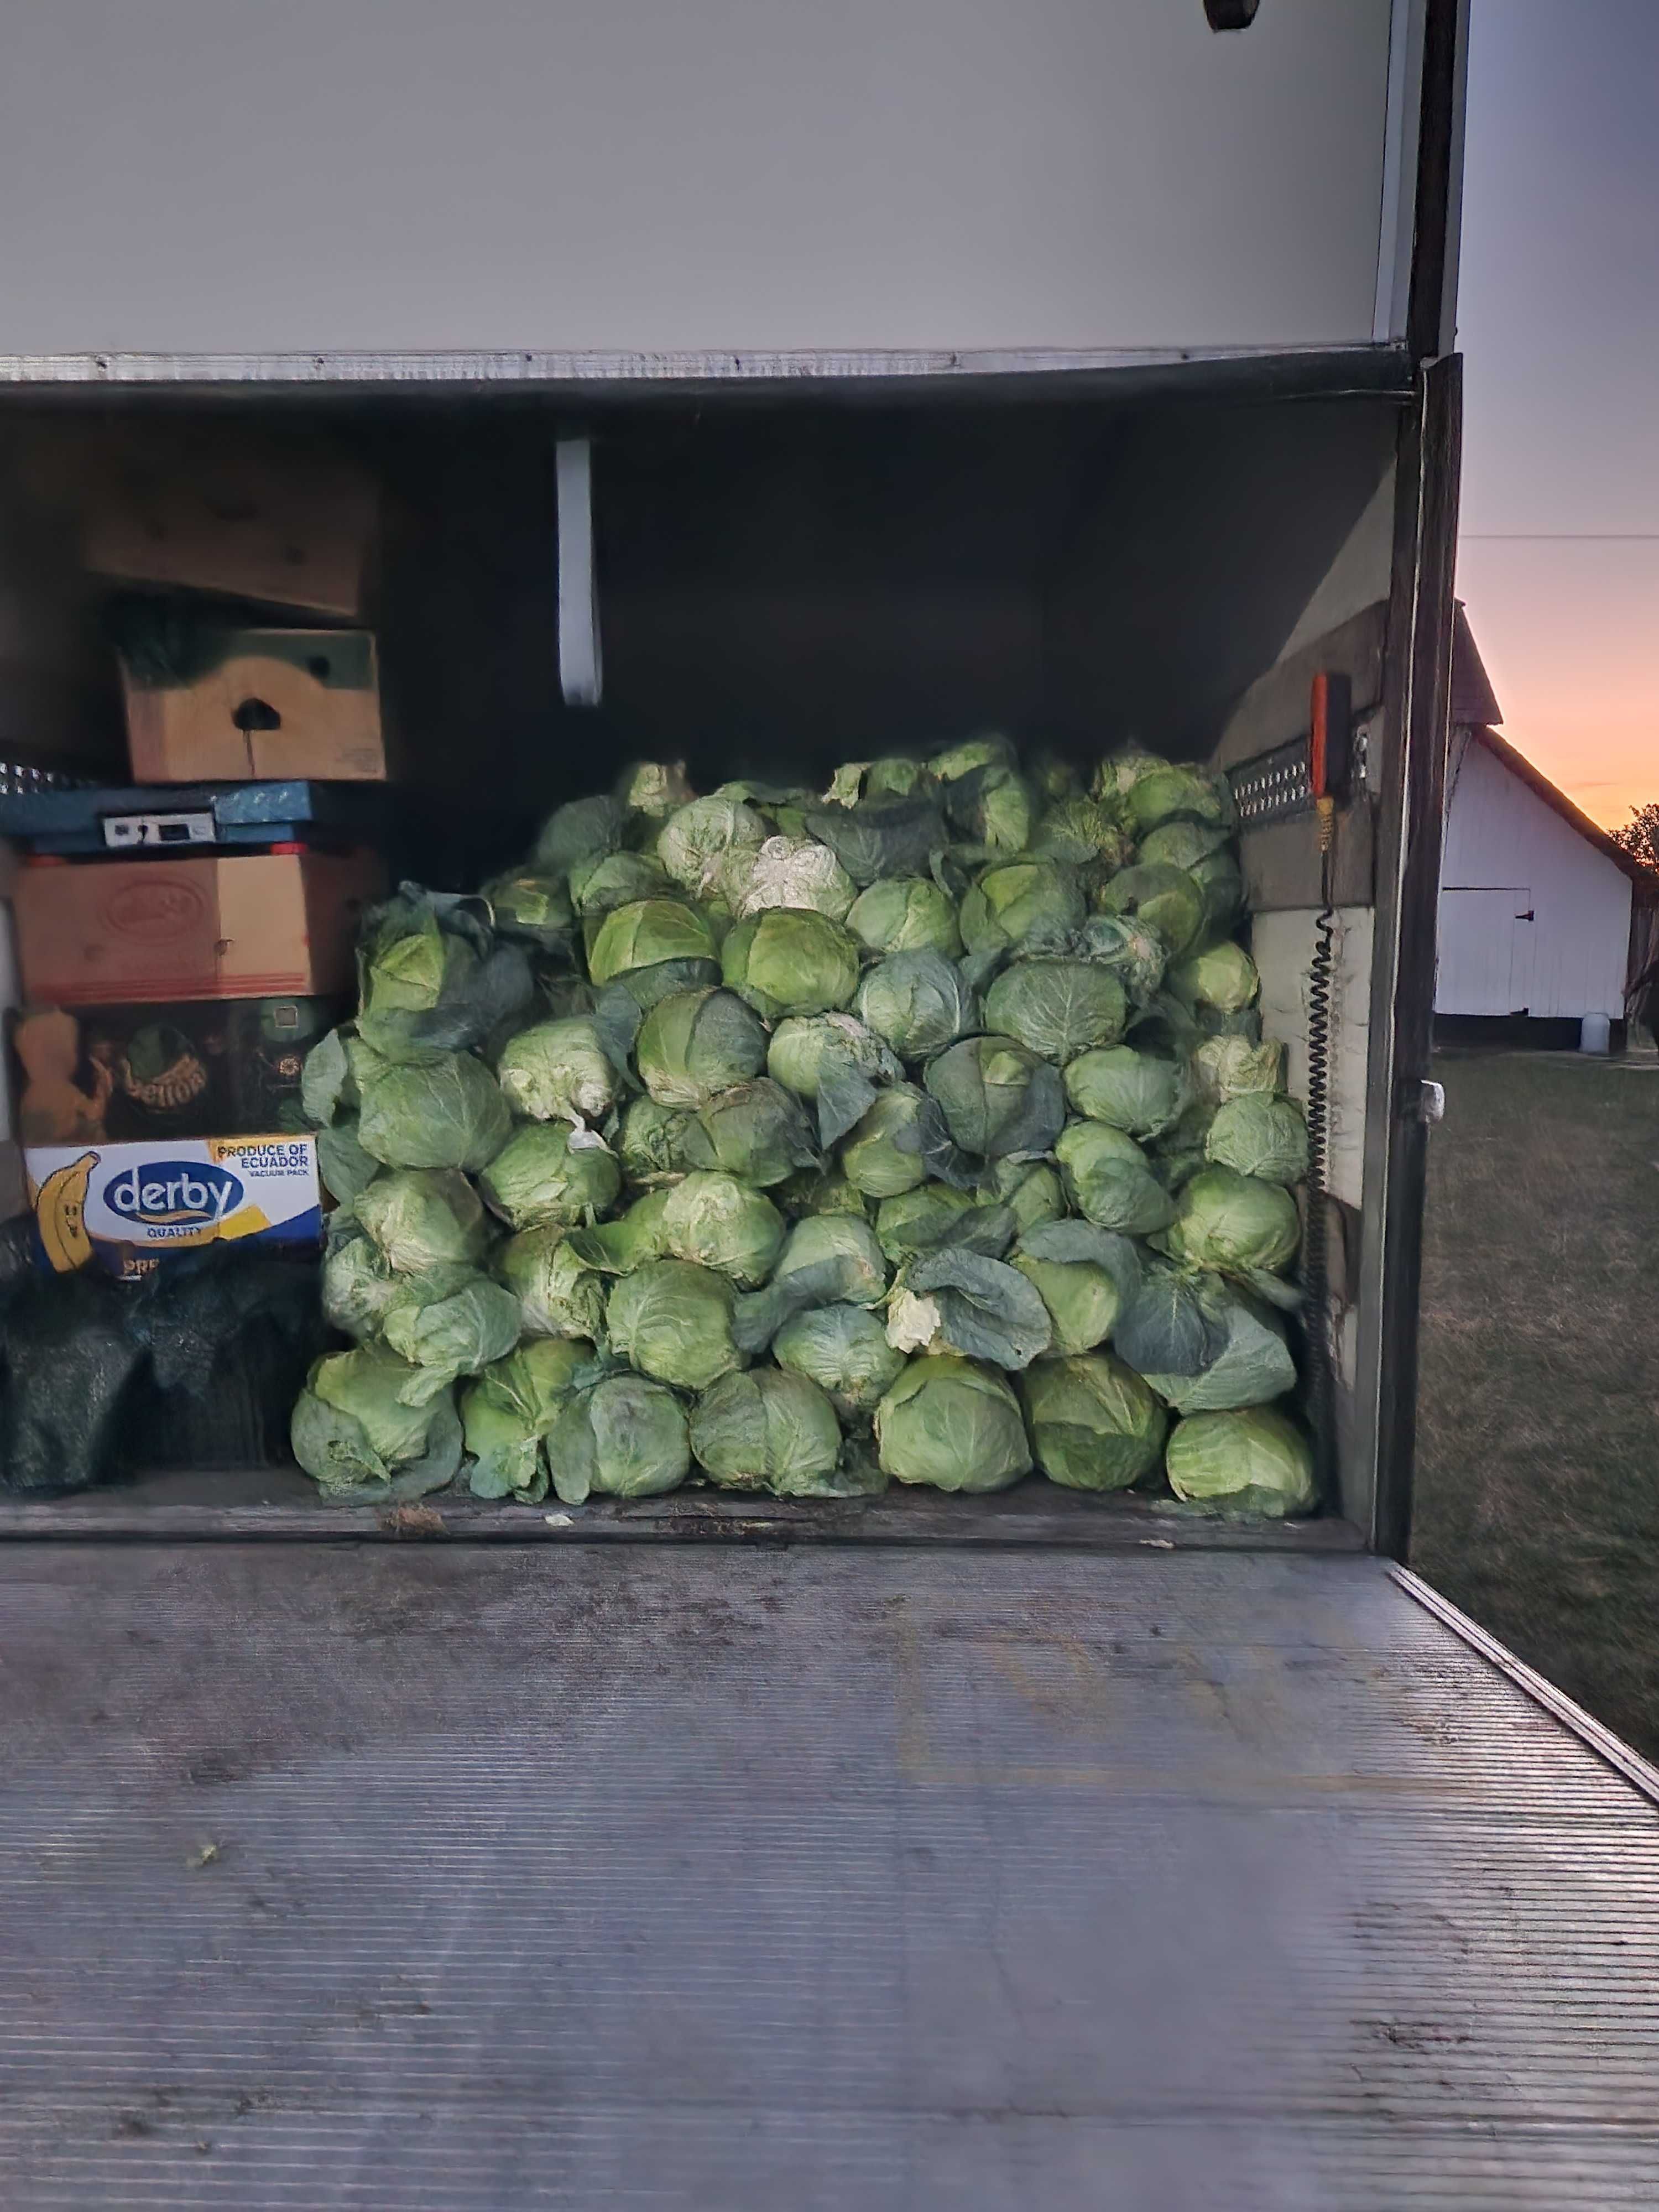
column 183, row 939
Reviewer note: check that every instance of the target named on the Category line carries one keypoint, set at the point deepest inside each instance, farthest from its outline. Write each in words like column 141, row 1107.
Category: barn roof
column 1592, row 832
column 1472, row 699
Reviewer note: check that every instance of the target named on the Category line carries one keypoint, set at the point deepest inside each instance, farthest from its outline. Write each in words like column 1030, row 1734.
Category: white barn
column 1535, row 899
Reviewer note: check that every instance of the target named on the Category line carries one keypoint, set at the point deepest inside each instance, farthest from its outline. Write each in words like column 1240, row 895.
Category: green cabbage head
column 915, row 1221
column 954, row 1300
column 1082, row 832
column 1082, row 1274
column 508, row 1412
column 447, row 1336
column 997, row 1097
column 905, row 913
column 649, row 934
column 829, row 1259
column 756, row 1130
column 801, row 1045
column 1174, row 787
column 577, row 830
column 655, row 788
column 1260, row 1134
column 1057, row 1008
column 559, row 1070
column 651, row 1142
column 1251, row 1367
column 723, row 1224
column 971, row 756
column 797, row 872
column 1168, row 900
column 535, row 907
column 446, row 1112
column 771, row 1428
column 1025, row 902
column 1228, row 1066
column 843, row 1243
column 1236, row 1223
column 357, row 1285
column 549, row 1172
column 629, row 1240
column 625, row 1437
column 1182, row 842
column 558, row 1294
column 1224, row 976
column 604, row 882
column 1109, row 1181
column 357, row 1434
column 1093, row 1422
column 693, row 1043
column 917, row 1003
column 1137, row 1092
column 994, row 808
column 1031, row 1189
column 820, row 1190
column 672, row 1319
column 844, row 1349
column 834, row 1061
column 876, row 1159
column 1130, row 948
column 791, row 960
column 421, row 1217
column 953, row 1424
column 705, row 844
column 1252, row 1461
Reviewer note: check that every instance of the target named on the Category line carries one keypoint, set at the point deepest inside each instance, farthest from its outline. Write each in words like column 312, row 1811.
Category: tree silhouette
column 1640, row 835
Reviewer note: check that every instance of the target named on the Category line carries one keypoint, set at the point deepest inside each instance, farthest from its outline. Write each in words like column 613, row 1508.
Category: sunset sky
column 1558, row 322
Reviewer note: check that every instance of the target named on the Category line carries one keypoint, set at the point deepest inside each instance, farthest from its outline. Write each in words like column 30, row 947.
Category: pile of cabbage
column 922, row 1130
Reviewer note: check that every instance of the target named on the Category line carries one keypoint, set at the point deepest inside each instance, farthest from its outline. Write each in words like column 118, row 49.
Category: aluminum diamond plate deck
column 814, row 1881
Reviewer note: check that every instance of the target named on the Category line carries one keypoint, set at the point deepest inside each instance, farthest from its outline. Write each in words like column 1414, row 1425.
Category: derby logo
column 175, row 1194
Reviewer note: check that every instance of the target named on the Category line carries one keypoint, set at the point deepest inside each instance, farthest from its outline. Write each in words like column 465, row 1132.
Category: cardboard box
column 273, row 925
column 210, row 508
column 199, row 1068
column 125, row 1207
column 260, row 705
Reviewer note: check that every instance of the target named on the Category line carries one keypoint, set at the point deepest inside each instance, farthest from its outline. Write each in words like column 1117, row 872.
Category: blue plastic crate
column 174, row 816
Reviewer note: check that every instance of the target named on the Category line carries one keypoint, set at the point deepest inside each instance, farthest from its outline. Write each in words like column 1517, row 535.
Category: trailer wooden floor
column 814, row 1880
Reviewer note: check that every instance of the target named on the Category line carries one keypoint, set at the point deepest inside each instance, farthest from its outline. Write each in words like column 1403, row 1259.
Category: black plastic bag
column 68, row 1369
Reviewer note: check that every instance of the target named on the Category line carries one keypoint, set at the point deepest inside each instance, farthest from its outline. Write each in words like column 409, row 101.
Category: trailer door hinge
column 1421, row 1100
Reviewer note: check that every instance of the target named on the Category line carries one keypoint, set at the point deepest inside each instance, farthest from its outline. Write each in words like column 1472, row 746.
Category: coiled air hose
column 1316, row 1261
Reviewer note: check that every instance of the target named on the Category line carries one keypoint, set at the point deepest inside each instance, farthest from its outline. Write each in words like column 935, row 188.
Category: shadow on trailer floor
column 349, row 1877
column 281, row 1502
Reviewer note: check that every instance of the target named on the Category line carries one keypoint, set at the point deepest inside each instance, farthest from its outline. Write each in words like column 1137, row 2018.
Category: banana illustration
column 60, row 1208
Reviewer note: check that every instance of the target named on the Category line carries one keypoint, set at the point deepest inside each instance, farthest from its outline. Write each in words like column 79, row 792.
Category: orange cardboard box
column 206, row 507
column 269, row 705
column 246, row 926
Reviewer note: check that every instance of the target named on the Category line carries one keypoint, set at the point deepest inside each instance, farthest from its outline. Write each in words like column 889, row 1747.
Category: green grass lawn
column 1537, row 1506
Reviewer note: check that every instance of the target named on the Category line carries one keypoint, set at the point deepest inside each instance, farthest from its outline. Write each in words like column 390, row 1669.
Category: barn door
column 1485, row 960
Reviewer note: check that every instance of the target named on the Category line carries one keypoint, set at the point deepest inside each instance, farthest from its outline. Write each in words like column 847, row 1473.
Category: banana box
column 125, row 1207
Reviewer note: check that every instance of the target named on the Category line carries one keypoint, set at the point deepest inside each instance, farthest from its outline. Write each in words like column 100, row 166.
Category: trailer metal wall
column 654, row 177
